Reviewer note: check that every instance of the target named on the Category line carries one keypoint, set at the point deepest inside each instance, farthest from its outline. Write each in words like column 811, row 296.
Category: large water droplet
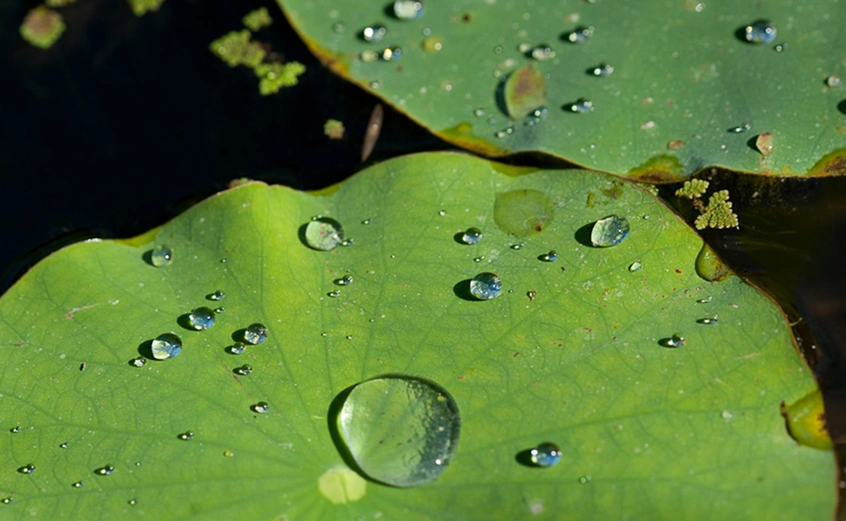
column 609, row 231
column 485, row 286
column 166, row 346
column 471, row 236
column 161, row 255
column 760, row 31
column 408, row 9
column 545, row 455
column 400, row 430
column 374, row 33
column 709, row 266
column 255, row 334
column 323, row 233
column 201, row 318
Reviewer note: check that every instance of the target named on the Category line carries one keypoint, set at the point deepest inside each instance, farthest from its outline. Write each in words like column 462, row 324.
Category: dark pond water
column 127, row 121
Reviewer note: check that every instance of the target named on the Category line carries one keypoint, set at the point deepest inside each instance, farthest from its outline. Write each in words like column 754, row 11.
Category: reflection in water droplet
column 236, row 349
column 580, row 35
column 390, row 53
column 760, row 31
column 400, row 430
column 433, row 43
column 584, row 479
column 708, row 320
column 580, row 106
column 107, row 470
column 518, row 246
column 542, row 53
column 552, row 256
column 545, row 455
column 166, row 346
column 217, row 295
column 408, row 9
column 635, row 266
column 674, row 341
column 201, row 318
column 334, row 294
column 602, row 70
column 138, row 361
column 255, row 334
column 609, row 231
column 740, row 129
column 15, row 430
column 485, row 286
column 472, row 236
column 374, row 33
column 161, row 255
column 832, row 81
column 260, row 407
column 323, row 233
column 186, row 436
column 346, row 280
column 726, row 415
column 27, row 469
column 243, row 370
column 78, row 484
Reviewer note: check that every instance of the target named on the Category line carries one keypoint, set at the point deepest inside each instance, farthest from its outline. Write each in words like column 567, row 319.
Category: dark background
column 127, row 121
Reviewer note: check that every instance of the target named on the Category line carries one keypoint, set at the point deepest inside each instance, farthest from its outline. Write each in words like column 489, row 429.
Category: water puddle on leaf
column 709, row 266
column 806, row 421
column 523, row 212
column 341, row 485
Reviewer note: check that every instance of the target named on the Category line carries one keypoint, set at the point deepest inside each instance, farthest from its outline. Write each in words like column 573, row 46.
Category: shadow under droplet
column 332, row 421
column 753, row 143
column 582, row 235
column 238, row 335
column 389, row 11
column 301, row 234
column 184, row 322
column 842, row 107
column 462, row 291
column 740, row 34
column 669, row 343
column 524, row 457
column 147, row 256
column 499, row 97
column 459, row 238
column 145, row 349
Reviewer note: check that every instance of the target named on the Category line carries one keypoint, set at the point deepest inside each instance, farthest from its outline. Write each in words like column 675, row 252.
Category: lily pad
column 653, row 90
column 570, row 352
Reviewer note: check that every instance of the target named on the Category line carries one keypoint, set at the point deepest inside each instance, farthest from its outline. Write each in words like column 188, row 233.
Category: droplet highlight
column 408, row 9
column 551, row 256
column 244, row 370
column 346, row 280
column 485, row 286
column 261, row 407
column 324, row 233
column 374, row 33
column 161, row 255
column 545, row 455
column 255, row 334
column 760, row 31
column 186, row 436
column 106, row 470
column 674, row 341
column 580, row 106
column 27, row 469
column 216, row 296
column 166, row 346
column 472, row 236
column 609, row 231
column 201, row 318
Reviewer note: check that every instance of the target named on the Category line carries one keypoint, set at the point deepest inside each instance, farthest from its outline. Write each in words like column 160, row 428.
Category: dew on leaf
column 217, row 295
column 740, row 128
column 635, row 266
column 166, row 346
column 186, row 436
column 138, row 361
column 132, row 502
column 609, row 231
column 368, row 56
column 390, row 53
column 764, row 143
column 106, row 470
column 63, row 445
column 220, row 310
column 545, row 455
column 432, row 44
column 760, row 31
column 346, row 280
column 542, row 53
column 676, row 340
column 400, row 430
column 471, row 236
column 524, row 91
column 243, row 370
column 27, row 469
column 408, row 9
column 161, row 255
column 780, row 47
column 580, row 35
column 704, row 300
column 726, row 415
column 338, row 27
column 832, row 81
column 479, row 113
column 15, row 430
column 334, row 294
column 709, row 266
column 518, row 246
column 347, row 242
column 260, row 407
column 236, row 349
column 201, row 318
column 323, row 233
column 255, row 334
column 708, row 320
column 501, row 134
column 485, row 286
column 550, row 256
column 374, row 33
column 78, row 484
column 7, row 500
column 602, row 70
column 580, row 106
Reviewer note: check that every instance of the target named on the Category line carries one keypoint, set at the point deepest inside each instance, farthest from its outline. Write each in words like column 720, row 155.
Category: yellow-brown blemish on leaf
column 658, row 169
column 806, row 423
column 833, row 163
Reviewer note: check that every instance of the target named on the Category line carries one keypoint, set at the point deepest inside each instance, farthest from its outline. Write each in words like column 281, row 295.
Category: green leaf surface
column 683, row 77
column 570, row 353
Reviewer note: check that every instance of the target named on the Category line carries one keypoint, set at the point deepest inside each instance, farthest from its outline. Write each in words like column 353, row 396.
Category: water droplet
column 408, row 9
column 580, row 106
column 832, row 81
column 338, row 28
column 161, row 255
column 609, row 231
column 78, row 484
column 485, row 286
column 472, row 236
column 635, row 266
column 432, row 44
column 402, row 431
column 323, row 233
column 806, row 421
column 236, row 349
column 107, row 470
column 674, row 341
column 255, row 334
column 244, row 370
column 518, row 246
column 585, row 479
column 27, row 469
column 741, row 129
column 760, row 31
column 498, row 49
column 349, row 337
column 708, row 320
column 780, row 47
column 15, row 430
column 346, row 280
column 217, row 295
column 63, row 445
column 219, row 310
column 542, row 53
column 442, row 212
column 7, row 500
column 479, row 113
column 507, row 131
column 704, row 300
column 375, row 84
column 374, row 33
column 726, row 415
column 551, row 256
column 545, row 455
column 709, row 266
column 479, row 259
column 138, row 361
column 580, row 35
column 347, row 242
column 228, row 453
column 390, row 53
column 186, row 436
column 166, row 346
column 132, row 502
column 602, row 70
column 334, row 294
column 260, row 407
column 764, row 143
column 201, row 318
column 368, row 56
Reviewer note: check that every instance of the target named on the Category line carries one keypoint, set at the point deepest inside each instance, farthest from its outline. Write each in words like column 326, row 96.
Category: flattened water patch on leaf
column 833, row 163
column 342, row 485
column 709, row 266
column 659, row 169
column 523, row 212
column 524, row 91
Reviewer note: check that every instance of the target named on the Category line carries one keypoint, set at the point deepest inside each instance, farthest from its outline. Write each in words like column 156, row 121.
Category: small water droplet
column 338, row 28
column 374, row 33
column 485, row 286
column 471, row 236
column 674, row 341
column 400, row 430
column 236, row 349
column 349, row 337
column 15, row 430
column 580, row 34
column 602, row 70
column 138, row 361
column 244, row 370
column 228, row 453
column 832, row 81
column 132, row 502
column 27, row 469
column 479, row 113
column 780, row 47
column 479, row 259
column 7, row 500
column 78, row 484
column 704, row 300
column 507, row 131
column 166, row 346
column 542, row 53
column 551, row 256
column 498, row 49
column 201, row 318
column 161, row 255
column 323, row 233
column 366, row 221
column 635, row 266
column 346, row 280
column 708, row 320
column 433, row 44
column 518, row 246
column 375, row 84
column 186, row 436
column 545, row 455
column 408, row 9
column 584, row 479
column 726, row 415
column 217, row 295
column 760, row 31
column 609, row 231
column 220, row 310
column 580, row 106
column 368, row 56
column 107, row 470
column 442, row 212
column 260, row 407
column 63, row 445
column 334, row 294
column 390, row 53
column 741, row 129
column 347, row 242
column 255, row 334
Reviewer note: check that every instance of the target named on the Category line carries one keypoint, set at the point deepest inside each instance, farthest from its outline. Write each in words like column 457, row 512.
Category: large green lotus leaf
column 570, row 353
column 684, row 78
